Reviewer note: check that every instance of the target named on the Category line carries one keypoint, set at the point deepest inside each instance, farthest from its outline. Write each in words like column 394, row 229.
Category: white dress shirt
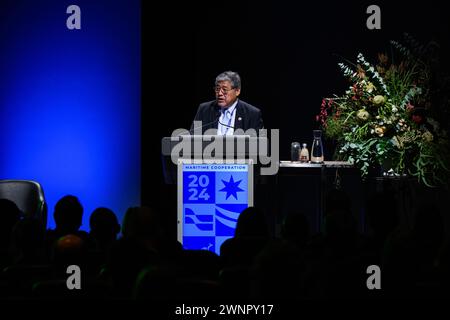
column 227, row 117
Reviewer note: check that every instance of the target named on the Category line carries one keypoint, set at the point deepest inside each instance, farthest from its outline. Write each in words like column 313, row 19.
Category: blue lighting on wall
column 70, row 101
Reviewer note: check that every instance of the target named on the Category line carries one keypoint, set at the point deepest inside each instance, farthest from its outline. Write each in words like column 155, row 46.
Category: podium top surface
column 239, row 145
column 326, row 164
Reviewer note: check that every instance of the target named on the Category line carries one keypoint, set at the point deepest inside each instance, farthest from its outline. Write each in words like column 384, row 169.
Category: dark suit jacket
column 247, row 116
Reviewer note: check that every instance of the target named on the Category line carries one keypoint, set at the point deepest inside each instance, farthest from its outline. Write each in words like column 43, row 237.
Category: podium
column 214, row 185
column 235, row 148
column 211, row 197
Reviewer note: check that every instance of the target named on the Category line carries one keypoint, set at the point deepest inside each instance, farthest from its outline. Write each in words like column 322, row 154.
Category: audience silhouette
column 251, row 235
column 138, row 260
column 10, row 214
column 104, row 229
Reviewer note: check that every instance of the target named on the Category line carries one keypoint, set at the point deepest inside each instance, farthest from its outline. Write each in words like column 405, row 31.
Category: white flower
column 393, row 118
column 394, row 109
column 378, row 100
column 427, row 136
column 395, row 142
column 362, row 114
column 370, row 87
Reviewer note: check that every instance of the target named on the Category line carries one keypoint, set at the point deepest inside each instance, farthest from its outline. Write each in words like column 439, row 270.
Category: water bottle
column 295, row 151
column 304, row 153
column 317, row 147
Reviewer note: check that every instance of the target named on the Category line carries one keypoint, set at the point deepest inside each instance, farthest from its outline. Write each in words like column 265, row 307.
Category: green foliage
column 386, row 116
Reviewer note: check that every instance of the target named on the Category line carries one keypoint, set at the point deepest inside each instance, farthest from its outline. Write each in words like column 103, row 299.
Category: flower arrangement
column 394, row 115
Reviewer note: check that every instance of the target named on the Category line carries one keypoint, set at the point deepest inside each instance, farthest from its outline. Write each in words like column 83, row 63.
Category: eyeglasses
column 224, row 90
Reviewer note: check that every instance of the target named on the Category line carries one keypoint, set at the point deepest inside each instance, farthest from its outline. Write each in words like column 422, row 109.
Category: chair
column 28, row 196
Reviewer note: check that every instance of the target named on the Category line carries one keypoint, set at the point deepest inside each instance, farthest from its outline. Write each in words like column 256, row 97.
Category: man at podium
column 227, row 112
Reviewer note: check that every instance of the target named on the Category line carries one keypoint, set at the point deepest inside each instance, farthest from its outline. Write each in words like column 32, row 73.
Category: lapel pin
column 239, row 119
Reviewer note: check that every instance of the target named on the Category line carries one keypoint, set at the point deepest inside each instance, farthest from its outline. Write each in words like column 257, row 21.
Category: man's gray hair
column 231, row 76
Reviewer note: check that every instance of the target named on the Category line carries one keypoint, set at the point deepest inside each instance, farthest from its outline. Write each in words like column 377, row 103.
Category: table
column 322, row 172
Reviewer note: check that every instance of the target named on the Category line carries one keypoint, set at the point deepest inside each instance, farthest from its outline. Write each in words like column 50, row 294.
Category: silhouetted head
column 69, row 242
column 251, row 223
column 10, row 215
column 340, row 226
column 141, row 222
column 295, row 228
column 68, row 214
column 429, row 226
column 128, row 257
column 382, row 213
column 28, row 236
column 103, row 224
column 276, row 272
column 69, row 249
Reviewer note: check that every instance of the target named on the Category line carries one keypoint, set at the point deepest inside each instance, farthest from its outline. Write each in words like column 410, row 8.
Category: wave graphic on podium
column 204, row 222
column 226, row 218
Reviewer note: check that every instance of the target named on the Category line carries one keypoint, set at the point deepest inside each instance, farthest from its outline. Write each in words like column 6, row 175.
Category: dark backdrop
column 285, row 51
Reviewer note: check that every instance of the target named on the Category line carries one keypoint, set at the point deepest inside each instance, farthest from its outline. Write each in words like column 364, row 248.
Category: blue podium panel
column 210, row 199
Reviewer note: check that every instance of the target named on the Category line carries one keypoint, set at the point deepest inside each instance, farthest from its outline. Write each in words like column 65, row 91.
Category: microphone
column 206, row 124
column 225, row 125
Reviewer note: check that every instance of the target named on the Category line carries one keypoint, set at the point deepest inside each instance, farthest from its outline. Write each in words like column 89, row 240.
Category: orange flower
column 380, row 130
column 361, row 72
column 382, row 58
